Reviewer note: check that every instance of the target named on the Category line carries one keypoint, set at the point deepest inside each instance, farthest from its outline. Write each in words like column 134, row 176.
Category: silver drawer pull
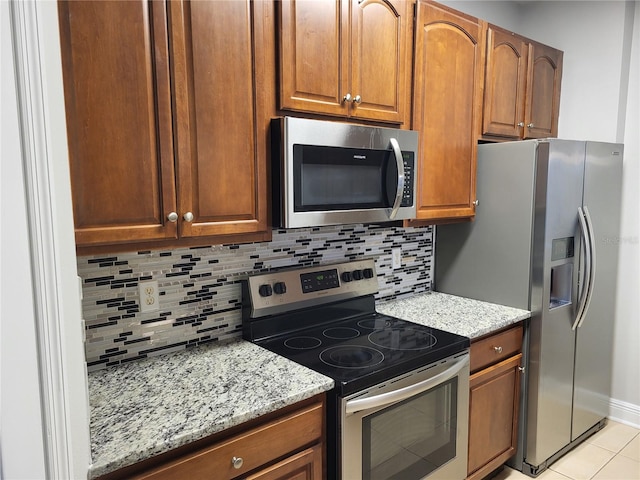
column 498, row 349
column 237, row 462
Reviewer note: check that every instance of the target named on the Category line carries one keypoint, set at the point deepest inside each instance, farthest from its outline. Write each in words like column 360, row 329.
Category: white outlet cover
column 148, row 292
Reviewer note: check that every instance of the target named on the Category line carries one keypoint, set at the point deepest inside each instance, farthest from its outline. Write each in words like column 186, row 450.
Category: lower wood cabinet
column 494, row 398
column 286, row 445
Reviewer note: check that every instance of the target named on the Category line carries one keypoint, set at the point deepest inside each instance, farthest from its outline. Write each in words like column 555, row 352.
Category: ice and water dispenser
column 562, row 254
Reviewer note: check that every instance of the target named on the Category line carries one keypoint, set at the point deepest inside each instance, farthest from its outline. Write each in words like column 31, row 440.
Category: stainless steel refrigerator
column 545, row 239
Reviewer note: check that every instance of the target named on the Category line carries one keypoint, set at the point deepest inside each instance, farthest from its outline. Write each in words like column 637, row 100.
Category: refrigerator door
column 594, row 336
column 552, row 341
column 489, row 259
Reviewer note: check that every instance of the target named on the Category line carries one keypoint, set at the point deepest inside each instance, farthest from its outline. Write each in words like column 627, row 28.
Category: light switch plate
column 396, row 258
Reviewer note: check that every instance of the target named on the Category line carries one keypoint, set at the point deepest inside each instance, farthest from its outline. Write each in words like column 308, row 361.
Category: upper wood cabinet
column 119, row 127
column 348, row 58
column 167, row 138
column 220, row 115
column 449, row 63
column 522, row 87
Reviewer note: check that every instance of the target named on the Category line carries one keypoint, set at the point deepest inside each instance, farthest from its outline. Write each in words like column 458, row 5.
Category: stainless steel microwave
column 331, row 173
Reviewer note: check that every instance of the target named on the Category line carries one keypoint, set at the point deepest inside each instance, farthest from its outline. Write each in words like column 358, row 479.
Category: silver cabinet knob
column 521, row 124
column 346, row 98
column 172, row 217
column 530, row 125
column 357, row 99
column 237, row 462
column 521, row 369
column 476, row 203
column 498, row 349
column 188, row 217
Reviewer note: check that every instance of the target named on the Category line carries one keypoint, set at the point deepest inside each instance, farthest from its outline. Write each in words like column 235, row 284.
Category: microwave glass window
column 330, row 178
column 411, row 439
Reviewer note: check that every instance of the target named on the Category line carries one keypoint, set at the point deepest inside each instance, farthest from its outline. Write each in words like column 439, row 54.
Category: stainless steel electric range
column 399, row 408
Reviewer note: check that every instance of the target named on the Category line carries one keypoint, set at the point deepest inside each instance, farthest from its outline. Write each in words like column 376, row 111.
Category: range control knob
column 357, row 274
column 265, row 290
column 280, row 288
column 346, row 276
column 368, row 272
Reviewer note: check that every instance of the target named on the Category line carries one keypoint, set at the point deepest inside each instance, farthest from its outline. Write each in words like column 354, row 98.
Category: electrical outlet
column 396, row 258
column 148, row 296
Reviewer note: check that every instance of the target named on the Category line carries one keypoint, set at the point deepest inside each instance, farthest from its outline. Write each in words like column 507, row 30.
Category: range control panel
column 286, row 290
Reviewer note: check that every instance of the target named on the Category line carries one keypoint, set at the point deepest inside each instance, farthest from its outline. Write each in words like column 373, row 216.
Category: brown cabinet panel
column 145, row 79
column 522, row 87
column 505, row 82
column 306, row 465
column 118, row 106
column 381, row 59
column 346, row 58
column 221, row 161
column 495, row 348
column 493, row 413
column 314, row 61
column 448, row 68
column 543, row 95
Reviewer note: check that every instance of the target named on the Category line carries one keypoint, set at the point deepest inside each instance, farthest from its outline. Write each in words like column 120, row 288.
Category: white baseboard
column 624, row 412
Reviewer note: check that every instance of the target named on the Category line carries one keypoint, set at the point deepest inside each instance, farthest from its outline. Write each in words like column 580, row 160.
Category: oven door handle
column 383, row 399
column 397, row 153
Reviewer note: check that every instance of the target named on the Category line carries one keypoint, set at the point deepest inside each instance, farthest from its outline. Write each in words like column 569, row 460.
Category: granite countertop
column 150, row 406
column 464, row 316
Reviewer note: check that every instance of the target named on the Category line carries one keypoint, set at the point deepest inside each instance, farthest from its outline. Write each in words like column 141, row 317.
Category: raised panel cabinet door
column 118, row 108
column 306, row 465
column 381, row 47
column 448, row 69
column 493, row 416
column 504, row 86
column 314, row 56
column 220, row 116
column 542, row 106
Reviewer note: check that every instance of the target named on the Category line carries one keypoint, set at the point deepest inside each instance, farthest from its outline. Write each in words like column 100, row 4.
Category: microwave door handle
column 592, row 268
column 586, row 239
column 400, row 188
column 394, row 396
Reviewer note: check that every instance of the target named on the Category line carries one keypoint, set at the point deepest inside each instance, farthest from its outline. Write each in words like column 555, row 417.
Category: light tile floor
column 611, row 454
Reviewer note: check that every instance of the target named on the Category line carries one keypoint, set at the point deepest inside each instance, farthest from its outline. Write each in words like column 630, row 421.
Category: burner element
column 375, row 323
column 351, row 356
column 302, row 343
column 402, row 339
column 341, row 333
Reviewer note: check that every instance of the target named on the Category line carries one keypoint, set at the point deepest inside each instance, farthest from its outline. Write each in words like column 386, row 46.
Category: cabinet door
column 219, row 116
column 504, row 87
column 118, row 106
column 314, row 56
column 306, row 465
column 493, row 416
column 381, row 41
column 448, row 69
column 543, row 91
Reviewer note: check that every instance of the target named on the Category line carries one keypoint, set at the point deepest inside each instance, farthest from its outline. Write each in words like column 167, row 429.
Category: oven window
column 410, row 439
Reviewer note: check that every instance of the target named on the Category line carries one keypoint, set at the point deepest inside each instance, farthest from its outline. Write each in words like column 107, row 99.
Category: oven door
column 412, row 427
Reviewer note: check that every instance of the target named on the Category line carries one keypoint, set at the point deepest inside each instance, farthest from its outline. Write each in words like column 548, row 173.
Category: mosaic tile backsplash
column 200, row 294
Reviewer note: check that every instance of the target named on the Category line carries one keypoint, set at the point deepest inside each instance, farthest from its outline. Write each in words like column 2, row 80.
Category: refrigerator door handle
column 592, row 270
column 584, row 294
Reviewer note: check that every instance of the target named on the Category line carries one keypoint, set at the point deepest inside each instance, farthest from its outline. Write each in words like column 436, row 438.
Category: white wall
column 41, row 311
column 599, row 101
column 22, row 448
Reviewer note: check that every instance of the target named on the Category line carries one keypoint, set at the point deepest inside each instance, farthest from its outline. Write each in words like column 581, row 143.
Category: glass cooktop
column 362, row 351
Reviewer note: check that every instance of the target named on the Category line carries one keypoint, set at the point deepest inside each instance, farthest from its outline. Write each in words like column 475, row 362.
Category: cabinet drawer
column 495, row 348
column 256, row 447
